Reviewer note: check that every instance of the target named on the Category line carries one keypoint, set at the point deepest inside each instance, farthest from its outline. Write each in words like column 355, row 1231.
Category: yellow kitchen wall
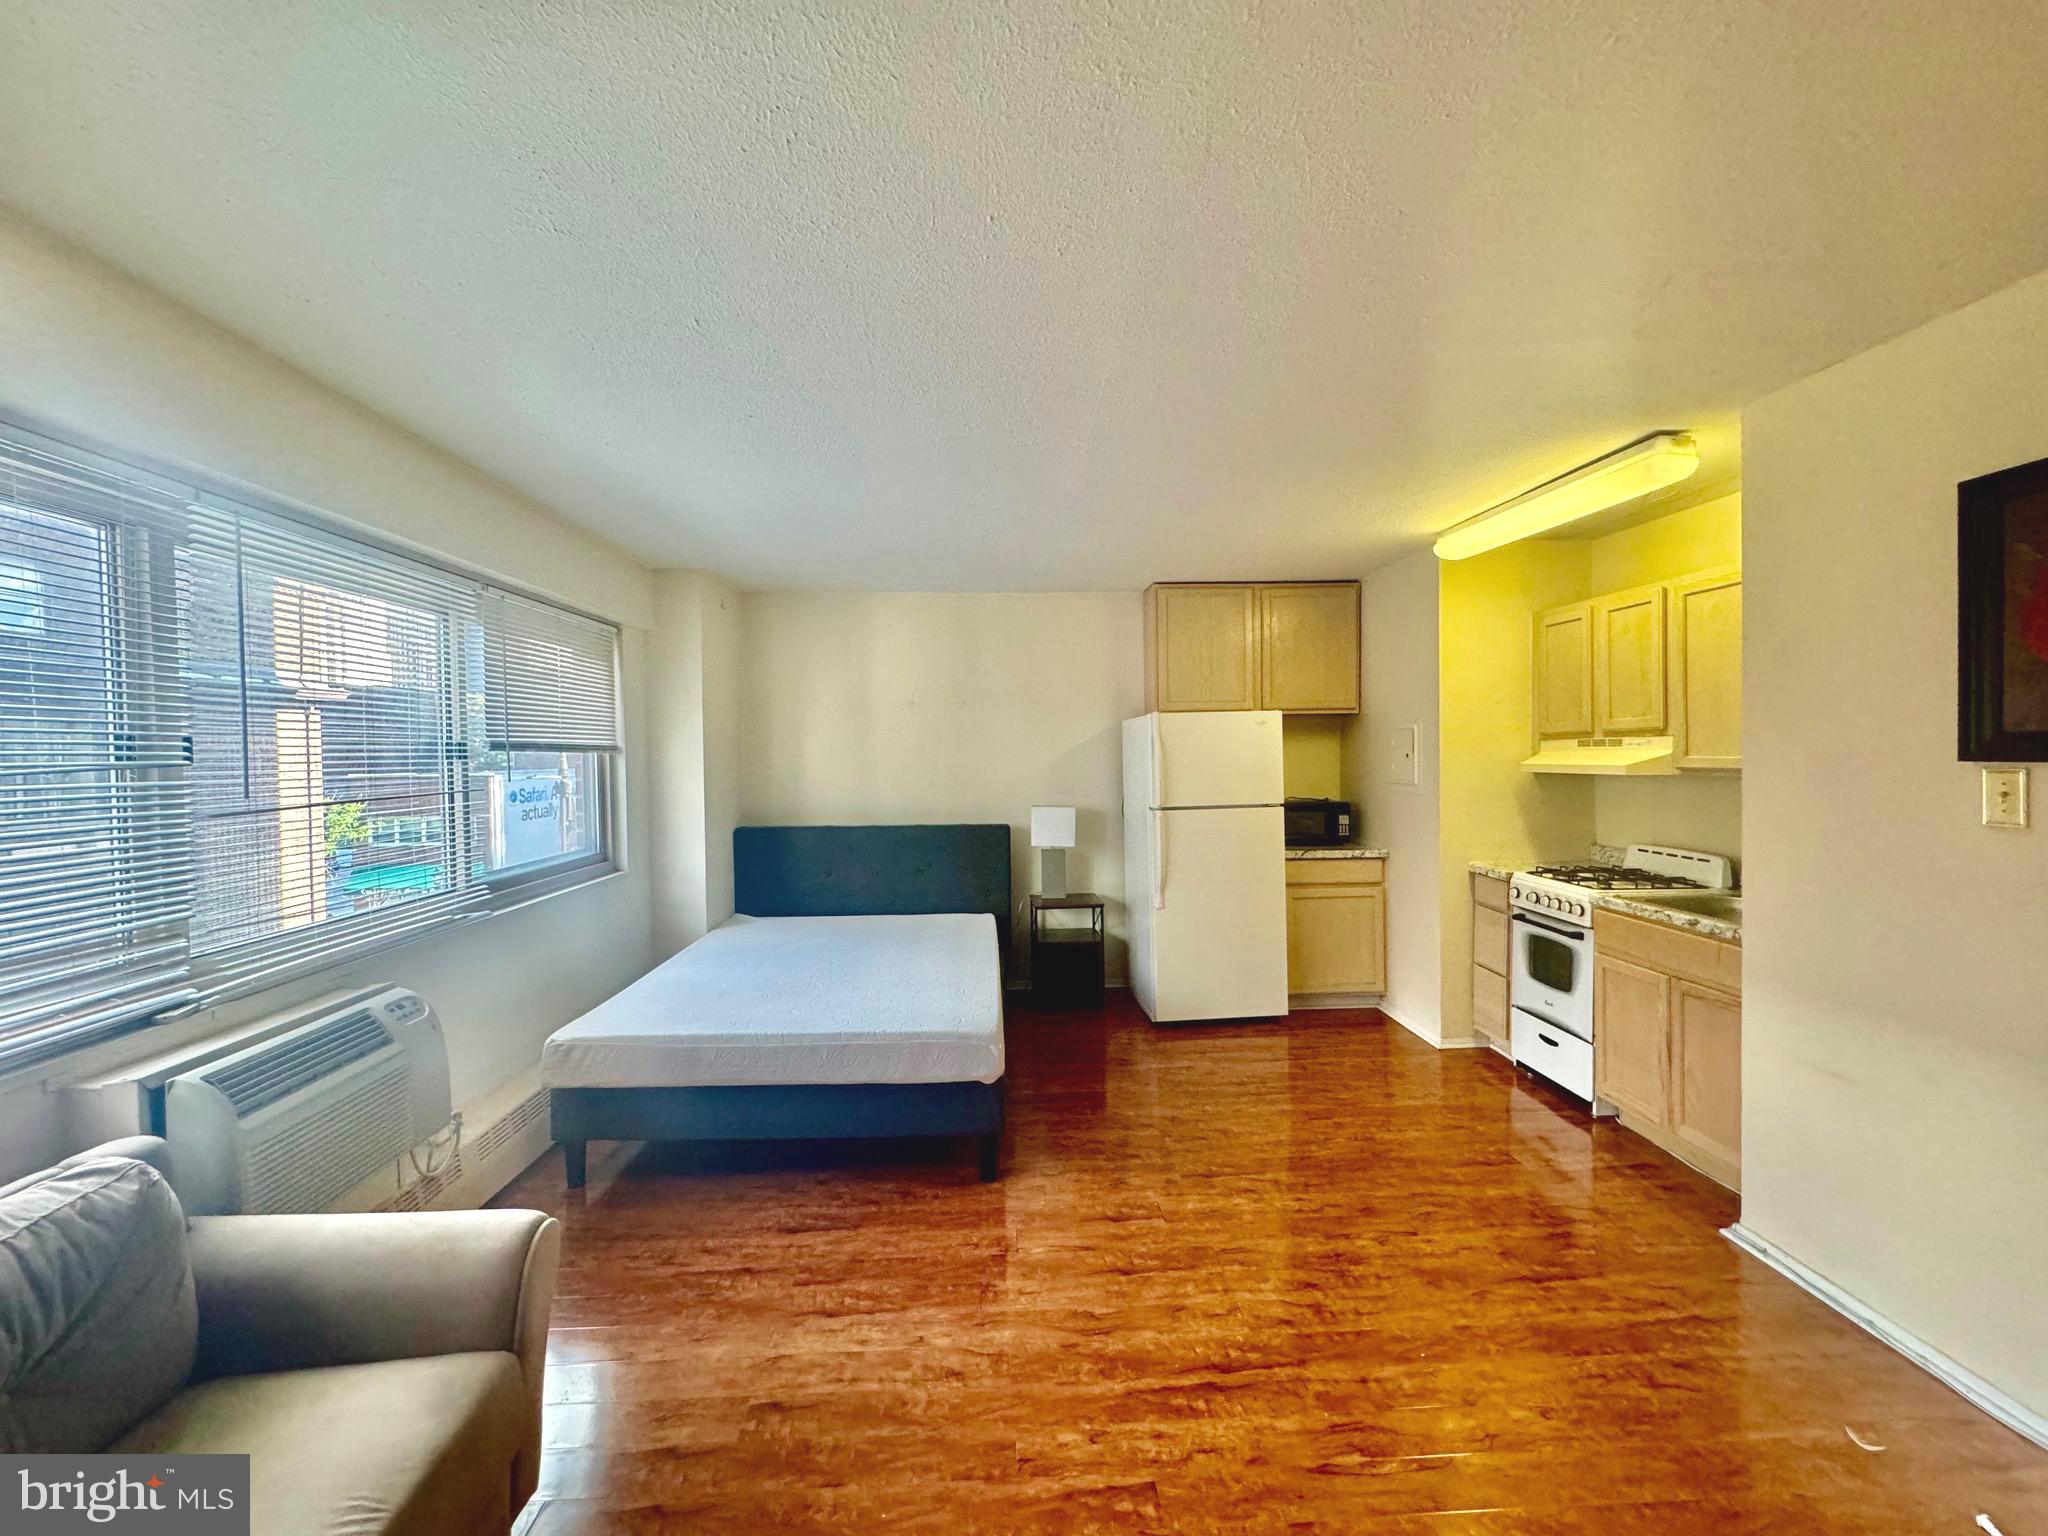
column 1677, row 544
column 1313, row 749
column 1490, row 806
column 1691, row 810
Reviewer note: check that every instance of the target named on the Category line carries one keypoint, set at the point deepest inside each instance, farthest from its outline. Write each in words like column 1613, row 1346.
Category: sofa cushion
column 410, row 1447
column 97, row 1319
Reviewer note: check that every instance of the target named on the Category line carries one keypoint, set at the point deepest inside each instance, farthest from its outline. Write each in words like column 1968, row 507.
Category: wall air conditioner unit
column 297, row 1120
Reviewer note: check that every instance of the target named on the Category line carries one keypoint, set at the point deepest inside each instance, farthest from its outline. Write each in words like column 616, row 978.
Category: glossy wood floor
column 1311, row 1277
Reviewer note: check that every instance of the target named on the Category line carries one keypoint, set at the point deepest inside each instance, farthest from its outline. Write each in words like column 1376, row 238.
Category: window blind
column 95, row 850
column 550, row 677
column 331, row 693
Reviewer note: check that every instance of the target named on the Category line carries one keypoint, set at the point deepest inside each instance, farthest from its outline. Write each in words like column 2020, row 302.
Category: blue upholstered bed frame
column 824, row 872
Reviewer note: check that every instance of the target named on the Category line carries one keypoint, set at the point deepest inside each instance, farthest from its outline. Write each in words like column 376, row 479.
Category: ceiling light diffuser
column 1623, row 475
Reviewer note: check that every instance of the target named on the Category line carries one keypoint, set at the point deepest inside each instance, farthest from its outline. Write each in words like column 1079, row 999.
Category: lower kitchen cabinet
column 1632, row 1031
column 1491, row 948
column 1706, row 1072
column 1667, row 1022
column 1336, row 927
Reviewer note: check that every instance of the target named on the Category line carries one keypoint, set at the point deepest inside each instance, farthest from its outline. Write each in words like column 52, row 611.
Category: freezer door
column 1217, row 946
column 1229, row 757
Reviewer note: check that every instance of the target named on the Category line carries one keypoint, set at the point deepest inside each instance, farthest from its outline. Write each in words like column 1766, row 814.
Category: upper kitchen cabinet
column 1290, row 646
column 1658, row 660
column 1564, row 671
column 1628, row 663
column 1308, row 648
column 1706, row 653
column 1201, row 647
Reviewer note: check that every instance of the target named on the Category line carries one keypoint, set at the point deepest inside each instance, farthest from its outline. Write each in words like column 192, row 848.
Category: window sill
column 511, row 898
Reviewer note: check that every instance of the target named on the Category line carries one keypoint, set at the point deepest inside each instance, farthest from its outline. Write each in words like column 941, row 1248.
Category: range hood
column 1613, row 755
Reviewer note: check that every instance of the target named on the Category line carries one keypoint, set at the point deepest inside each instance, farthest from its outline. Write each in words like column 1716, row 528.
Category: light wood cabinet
column 1201, row 647
column 1290, row 646
column 1629, row 663
column 1706, row 669
column 1631, row 1037
column 1667, row 1030
column 1650, row 661
column 1308, row 648
column 1491, row 938
column 1336, row 926
column 1706, row 1072
column 1490, row 1006
column 1564, row 671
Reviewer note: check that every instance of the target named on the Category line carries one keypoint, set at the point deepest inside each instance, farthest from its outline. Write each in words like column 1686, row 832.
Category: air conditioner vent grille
column 299, row 1062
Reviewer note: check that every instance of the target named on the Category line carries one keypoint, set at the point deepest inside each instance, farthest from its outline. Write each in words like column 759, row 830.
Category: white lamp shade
column 1052, row 826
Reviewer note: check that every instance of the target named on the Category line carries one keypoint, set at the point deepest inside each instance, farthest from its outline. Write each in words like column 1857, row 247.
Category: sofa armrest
column 280, row 1293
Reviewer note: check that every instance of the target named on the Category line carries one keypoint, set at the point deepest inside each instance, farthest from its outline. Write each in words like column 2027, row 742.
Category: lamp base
column 1052, row 871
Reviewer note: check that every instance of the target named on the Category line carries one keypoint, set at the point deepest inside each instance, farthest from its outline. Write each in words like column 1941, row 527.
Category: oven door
column 1552, row 973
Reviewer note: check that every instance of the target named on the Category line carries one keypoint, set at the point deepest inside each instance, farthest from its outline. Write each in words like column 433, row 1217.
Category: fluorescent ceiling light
column 1623, row 475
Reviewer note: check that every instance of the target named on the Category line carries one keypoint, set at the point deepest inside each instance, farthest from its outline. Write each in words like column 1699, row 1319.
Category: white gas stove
column 1550, row 980
column 1565, row 891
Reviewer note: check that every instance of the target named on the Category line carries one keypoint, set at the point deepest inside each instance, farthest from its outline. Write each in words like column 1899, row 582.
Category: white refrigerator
column 1205, row 882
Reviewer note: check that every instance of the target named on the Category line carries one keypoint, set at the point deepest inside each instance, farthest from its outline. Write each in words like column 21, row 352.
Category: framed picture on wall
column 2002, row 689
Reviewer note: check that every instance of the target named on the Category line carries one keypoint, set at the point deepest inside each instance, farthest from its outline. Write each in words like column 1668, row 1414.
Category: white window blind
column 95, row 849
column 329, row 694
column 550, row 678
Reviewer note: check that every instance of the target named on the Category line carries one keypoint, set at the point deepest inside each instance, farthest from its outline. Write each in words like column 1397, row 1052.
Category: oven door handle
column 1562, row 930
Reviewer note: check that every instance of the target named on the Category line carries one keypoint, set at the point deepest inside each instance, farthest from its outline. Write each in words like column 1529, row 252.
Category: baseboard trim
column 1967, row 1384
column 1309, row 1002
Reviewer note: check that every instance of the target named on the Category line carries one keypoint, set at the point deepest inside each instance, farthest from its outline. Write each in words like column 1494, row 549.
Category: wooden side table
column 1066, row 961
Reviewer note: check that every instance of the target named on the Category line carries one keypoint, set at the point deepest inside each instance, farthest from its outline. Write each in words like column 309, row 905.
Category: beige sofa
column 383, row 1372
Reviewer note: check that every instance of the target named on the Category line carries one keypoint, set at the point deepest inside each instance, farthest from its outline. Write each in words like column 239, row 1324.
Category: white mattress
column 763, row 1000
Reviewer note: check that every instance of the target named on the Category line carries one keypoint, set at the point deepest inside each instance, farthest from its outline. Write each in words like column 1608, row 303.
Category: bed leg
column 989, row 1156
column 572, row 1163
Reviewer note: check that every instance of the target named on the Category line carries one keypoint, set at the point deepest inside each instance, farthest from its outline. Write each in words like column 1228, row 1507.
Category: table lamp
column 1052, row 833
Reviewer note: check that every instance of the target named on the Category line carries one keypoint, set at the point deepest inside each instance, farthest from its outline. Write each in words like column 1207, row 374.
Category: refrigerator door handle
column 1158, row 764
column 1158, row 860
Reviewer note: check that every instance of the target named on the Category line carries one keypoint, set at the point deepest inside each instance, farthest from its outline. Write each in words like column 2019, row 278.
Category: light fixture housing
column 1646, row 465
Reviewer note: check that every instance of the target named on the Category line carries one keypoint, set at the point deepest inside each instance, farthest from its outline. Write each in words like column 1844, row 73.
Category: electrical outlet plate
column 2005, row 797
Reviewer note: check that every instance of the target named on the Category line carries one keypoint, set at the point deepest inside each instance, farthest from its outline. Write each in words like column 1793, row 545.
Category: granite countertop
column 1348, row 851
column 1726, row 930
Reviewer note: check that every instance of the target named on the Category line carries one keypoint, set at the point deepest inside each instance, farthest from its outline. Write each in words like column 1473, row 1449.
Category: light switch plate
column 2005, row 797
column 1401, row 755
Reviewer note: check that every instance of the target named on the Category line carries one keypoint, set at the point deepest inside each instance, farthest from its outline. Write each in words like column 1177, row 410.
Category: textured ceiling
column 1048, row 294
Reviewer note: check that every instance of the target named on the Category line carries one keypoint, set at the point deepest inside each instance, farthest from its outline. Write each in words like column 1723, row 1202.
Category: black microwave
column 1318, row 823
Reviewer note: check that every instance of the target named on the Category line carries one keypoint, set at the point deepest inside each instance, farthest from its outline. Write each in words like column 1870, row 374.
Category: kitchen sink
column 1719, row 905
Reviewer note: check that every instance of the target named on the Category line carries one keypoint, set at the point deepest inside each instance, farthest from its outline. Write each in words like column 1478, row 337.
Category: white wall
column 693, row 728
column 944, row 707
column 1895, row 970
column 1400, row 664
column 94, row 357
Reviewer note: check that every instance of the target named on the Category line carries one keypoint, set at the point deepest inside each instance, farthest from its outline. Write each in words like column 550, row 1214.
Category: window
column 235, row 746
column 551, row 725
column 95, row 866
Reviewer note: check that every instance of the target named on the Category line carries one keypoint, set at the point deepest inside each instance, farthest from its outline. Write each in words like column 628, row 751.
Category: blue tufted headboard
column 857, row 871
